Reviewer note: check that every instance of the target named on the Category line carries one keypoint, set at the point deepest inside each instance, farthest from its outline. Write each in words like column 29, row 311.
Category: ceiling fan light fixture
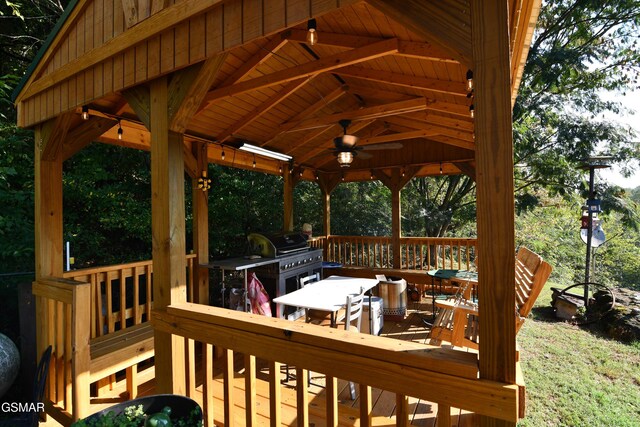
column 345, row 158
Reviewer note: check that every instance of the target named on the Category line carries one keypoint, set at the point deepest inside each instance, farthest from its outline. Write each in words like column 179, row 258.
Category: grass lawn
column 575, row 377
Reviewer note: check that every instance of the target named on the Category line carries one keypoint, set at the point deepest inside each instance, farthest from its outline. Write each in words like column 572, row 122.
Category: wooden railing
column 83, row 305
column 122, row 295
column 62, row 319
column 416, row 253
column 444, row 376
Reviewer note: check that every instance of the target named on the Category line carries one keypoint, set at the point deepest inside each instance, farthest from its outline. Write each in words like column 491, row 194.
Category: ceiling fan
column 346, row 149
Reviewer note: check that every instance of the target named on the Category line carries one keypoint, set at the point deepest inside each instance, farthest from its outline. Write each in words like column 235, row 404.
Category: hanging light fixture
column 222, row 153
column 345, row 158
column 85, row 112
column 471, row 111
column 254, row 161
column 312, row 33
column 204, row 183
column 120, row 132
column 440, row 168
column 469, row 80
column 280, row 167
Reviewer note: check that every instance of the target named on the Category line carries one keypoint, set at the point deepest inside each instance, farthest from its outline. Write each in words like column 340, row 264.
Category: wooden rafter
column 54, row 133
column 416, row 104
column 265, row 52
column 186, row 90
column 410, row 49
column 467, row 168
column 332, row 62
column 446, row 23
column 434, row 129
column 82, row 135
column 422, row 83
column 261, row 109
column 310, row 110
column 430, row 117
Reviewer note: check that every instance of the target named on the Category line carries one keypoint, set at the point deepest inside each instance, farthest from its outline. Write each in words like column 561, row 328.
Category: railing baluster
column 250, row 389
column 61, row 354
column 123, row 300
column 402, row 410
column 275, row 397
column 332, row 401
column 68, row 374
column 229, row 401
column 302, row 404
column 190, row 349
column 207, row 384
column 365, row 405
column 148, row 281
column 99, row 304
column 137, row 316
column 108, row 284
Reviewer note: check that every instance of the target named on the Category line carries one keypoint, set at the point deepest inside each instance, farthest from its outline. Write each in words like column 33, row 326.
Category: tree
column 581, row 50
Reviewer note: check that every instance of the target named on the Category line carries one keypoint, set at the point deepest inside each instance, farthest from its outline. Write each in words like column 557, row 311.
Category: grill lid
column 276, row 244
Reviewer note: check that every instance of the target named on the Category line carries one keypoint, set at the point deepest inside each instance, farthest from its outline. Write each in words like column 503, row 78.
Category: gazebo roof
column 403, row 89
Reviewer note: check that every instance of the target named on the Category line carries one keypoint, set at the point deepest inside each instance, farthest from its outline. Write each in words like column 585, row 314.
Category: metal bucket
column 394, row 297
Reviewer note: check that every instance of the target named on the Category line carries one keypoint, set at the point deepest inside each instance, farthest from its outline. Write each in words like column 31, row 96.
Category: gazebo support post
column 495, row 192
column 327, row 183
column 168, row 235
column 396, row 182
column 200, row 227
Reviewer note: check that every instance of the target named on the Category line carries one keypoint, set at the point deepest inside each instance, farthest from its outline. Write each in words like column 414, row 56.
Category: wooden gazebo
column 428, row 87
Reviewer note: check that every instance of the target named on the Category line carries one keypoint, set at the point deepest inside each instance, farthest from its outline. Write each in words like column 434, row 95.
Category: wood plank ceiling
column 406, row 98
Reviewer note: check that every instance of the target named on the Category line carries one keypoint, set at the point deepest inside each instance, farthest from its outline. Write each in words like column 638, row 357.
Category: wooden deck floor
column 423, row 413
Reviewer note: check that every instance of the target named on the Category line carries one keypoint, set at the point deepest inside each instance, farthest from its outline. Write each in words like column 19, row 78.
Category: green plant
column 134, row 416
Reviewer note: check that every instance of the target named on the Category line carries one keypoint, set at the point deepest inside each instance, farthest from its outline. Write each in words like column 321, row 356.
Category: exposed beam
column 263, row 108
column 424, row 51
column 138, row 98
column 433, row 135
column 54, row 133
column 315, row 133
column 396, row 181
column 432, row 104
column 432, row 128
column 464, row 124
column 417, row 104
column 422, row 83
column 187, row 89
column 453, row 142
column 85, row 133
column 155, row 24
column 366, row 53
column 446, row 23
column 311, row 110
column 265, row 52
column 467, row 168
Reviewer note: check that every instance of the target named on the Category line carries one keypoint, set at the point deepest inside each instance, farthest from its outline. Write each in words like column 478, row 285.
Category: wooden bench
column 121, row 350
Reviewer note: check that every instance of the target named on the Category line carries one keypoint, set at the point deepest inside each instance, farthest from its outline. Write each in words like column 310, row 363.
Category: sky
column 612, row 175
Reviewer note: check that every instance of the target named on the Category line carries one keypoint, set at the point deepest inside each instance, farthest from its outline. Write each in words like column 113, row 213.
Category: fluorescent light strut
column 264, row 152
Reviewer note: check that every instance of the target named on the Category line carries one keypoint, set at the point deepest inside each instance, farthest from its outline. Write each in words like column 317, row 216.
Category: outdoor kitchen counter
column 239, row 264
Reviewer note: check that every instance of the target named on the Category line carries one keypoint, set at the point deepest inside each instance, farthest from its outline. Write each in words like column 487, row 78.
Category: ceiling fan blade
column 364, row 156
column 382, row 146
